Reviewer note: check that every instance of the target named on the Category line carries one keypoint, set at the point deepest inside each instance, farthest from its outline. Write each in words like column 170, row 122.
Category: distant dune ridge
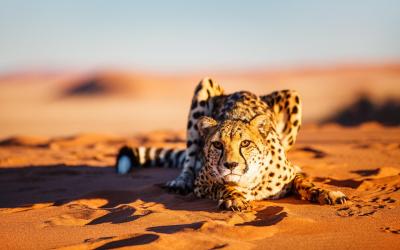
column 93, row 86
column 101, row 84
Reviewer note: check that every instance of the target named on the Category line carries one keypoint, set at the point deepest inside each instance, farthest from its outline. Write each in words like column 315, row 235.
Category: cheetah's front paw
column 234, row 204
column 180, row 185
column 332, row 198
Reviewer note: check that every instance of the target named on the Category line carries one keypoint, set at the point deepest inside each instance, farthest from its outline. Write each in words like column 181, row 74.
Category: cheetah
column 235, row 150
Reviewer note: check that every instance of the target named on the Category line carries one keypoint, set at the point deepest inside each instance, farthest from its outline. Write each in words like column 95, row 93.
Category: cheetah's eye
column 245, row 143
column 217, row 144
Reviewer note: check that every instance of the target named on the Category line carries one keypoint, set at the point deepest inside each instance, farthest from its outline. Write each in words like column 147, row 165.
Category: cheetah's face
column 235, row 151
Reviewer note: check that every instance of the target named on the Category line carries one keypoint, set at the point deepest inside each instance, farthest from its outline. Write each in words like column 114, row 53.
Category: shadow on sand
column 61, row 184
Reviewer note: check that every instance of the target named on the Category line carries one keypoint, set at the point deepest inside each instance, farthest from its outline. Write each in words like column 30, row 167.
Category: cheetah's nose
column 230, row 165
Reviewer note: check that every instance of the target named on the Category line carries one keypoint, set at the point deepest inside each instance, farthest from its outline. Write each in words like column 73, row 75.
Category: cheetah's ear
column 261, row 122
column 204, row 124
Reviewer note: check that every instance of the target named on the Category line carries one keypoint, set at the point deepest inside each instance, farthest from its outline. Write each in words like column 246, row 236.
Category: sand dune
column 63, row 193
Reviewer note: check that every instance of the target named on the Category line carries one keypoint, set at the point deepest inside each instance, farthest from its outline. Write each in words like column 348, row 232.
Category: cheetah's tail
column 129, row 158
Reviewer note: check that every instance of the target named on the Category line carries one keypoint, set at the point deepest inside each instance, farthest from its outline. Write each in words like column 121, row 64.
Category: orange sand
column 63, row 193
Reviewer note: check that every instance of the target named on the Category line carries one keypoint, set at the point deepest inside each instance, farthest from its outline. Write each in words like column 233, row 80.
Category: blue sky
column 191, row 35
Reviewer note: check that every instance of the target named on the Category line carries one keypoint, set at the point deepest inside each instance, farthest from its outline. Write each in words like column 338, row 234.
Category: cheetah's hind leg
column 287, row 107
column 309, row 191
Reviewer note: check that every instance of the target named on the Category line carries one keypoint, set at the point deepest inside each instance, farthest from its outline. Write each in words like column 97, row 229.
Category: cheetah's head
column 235, row 150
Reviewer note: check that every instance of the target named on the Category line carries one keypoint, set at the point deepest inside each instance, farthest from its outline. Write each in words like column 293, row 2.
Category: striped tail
column 129, row 158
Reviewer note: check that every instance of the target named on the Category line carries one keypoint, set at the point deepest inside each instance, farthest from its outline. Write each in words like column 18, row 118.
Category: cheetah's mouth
column 231, row 178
